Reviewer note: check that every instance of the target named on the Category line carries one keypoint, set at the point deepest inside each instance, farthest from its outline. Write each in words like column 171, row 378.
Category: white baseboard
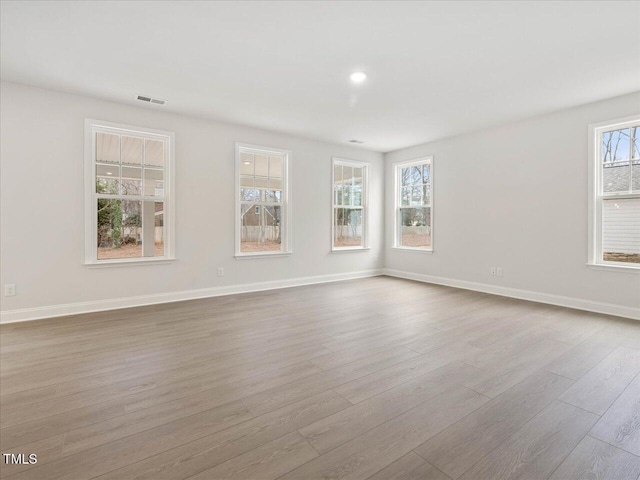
column 570, row 302
column 25, row 314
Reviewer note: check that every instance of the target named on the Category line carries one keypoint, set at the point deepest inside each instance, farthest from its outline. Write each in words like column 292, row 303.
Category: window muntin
column 262, row 201
column 414, row 184
column 617, row 194
column 128, row 201
column 349, row 219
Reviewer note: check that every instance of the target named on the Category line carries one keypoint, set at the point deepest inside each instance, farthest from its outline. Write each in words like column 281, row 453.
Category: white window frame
column 91, row 128
column 364, row 207
column 285, row 233
column 596, row 194
column 397, row 203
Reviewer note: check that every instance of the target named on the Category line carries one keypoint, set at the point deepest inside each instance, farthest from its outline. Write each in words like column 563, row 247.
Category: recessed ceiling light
column 247, row 162
column 109, row 173
column 358, row 77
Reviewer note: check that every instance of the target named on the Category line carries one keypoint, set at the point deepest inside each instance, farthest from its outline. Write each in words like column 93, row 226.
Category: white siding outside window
column 614, row 231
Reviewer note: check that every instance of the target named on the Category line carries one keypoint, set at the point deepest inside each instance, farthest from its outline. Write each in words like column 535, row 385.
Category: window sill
column 614, row 268
column 247, row 256
column 138, row 262
column 409, row 249
column 350, row 249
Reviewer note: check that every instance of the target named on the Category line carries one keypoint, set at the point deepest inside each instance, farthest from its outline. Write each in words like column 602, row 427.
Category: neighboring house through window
column 614, row 233
column 262, row 210
column 129, row 194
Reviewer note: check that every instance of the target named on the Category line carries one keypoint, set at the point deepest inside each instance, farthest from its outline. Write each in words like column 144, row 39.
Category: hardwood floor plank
column 464, row 443
column 379, row 447
column 365, row 387
column 264, row 463
column 579, row 360
column 105, row 458
column 332, row 431
column 620, row 425
column 534, row 451
column 269, row 400
column 336, row 380
column 598, row 460
column 207, row 452
column 600, row 387
column 410, row 467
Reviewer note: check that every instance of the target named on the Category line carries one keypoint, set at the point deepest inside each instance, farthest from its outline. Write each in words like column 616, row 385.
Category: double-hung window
column 414, row 205
column 129, row 194
column 262, row 208
column 615, row 199
column 350, row 189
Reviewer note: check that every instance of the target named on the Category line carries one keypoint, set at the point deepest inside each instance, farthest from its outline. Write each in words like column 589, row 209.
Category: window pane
column 616, row 177
column 426, row 194
column 358, row 175
column 107, row 148
column 416, row 175
column 339, row 199
column 119, row 229
column 615, row 146
column 131, row 181
column 260, row 228
column 132, row 150
column 262, row 182
column 154, row 153
column 347, row 175
column 415, row 227
column 275, row 183
column 153, row 181
column 405, row 176
column 273, row 195
column 107, row 179
column 346, row 194
column 250, row 195
column 416, row 196
column 636, row 143
column 246, row 164
column 347, row 227
column 262, row 165
column 158, row 229
column 635, row 177
column 621, row 230
column 275, row 167
column 426, row 174
column 405, row 199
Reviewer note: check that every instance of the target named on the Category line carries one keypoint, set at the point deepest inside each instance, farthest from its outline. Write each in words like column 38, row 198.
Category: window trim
column 364, row 207
column 595, row 257
column 92, row 126
column 397, row 166
column 286, row 210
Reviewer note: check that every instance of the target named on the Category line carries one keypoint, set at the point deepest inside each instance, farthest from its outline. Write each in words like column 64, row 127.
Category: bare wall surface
column 515, row 197
column 42, row 175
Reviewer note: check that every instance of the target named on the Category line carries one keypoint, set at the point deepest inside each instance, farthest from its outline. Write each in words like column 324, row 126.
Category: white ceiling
column 435, row 68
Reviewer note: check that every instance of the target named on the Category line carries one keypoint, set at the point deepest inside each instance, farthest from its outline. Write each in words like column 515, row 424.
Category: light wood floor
column 377, row 378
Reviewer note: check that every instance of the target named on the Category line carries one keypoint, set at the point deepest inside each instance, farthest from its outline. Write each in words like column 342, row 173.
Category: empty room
column 338, row 240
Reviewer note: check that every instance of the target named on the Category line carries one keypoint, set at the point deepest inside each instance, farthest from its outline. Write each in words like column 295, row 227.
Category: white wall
column 516, row 197
column 42, row 204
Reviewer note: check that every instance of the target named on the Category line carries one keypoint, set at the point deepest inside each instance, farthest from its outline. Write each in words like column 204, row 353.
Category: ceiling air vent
column 356, row 141
column 157, row 101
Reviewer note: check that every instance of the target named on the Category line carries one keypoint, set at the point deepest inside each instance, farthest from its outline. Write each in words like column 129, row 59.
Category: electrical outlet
column 499, row 271
column 220, row 272
column 493, row 270
column 10, row 290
